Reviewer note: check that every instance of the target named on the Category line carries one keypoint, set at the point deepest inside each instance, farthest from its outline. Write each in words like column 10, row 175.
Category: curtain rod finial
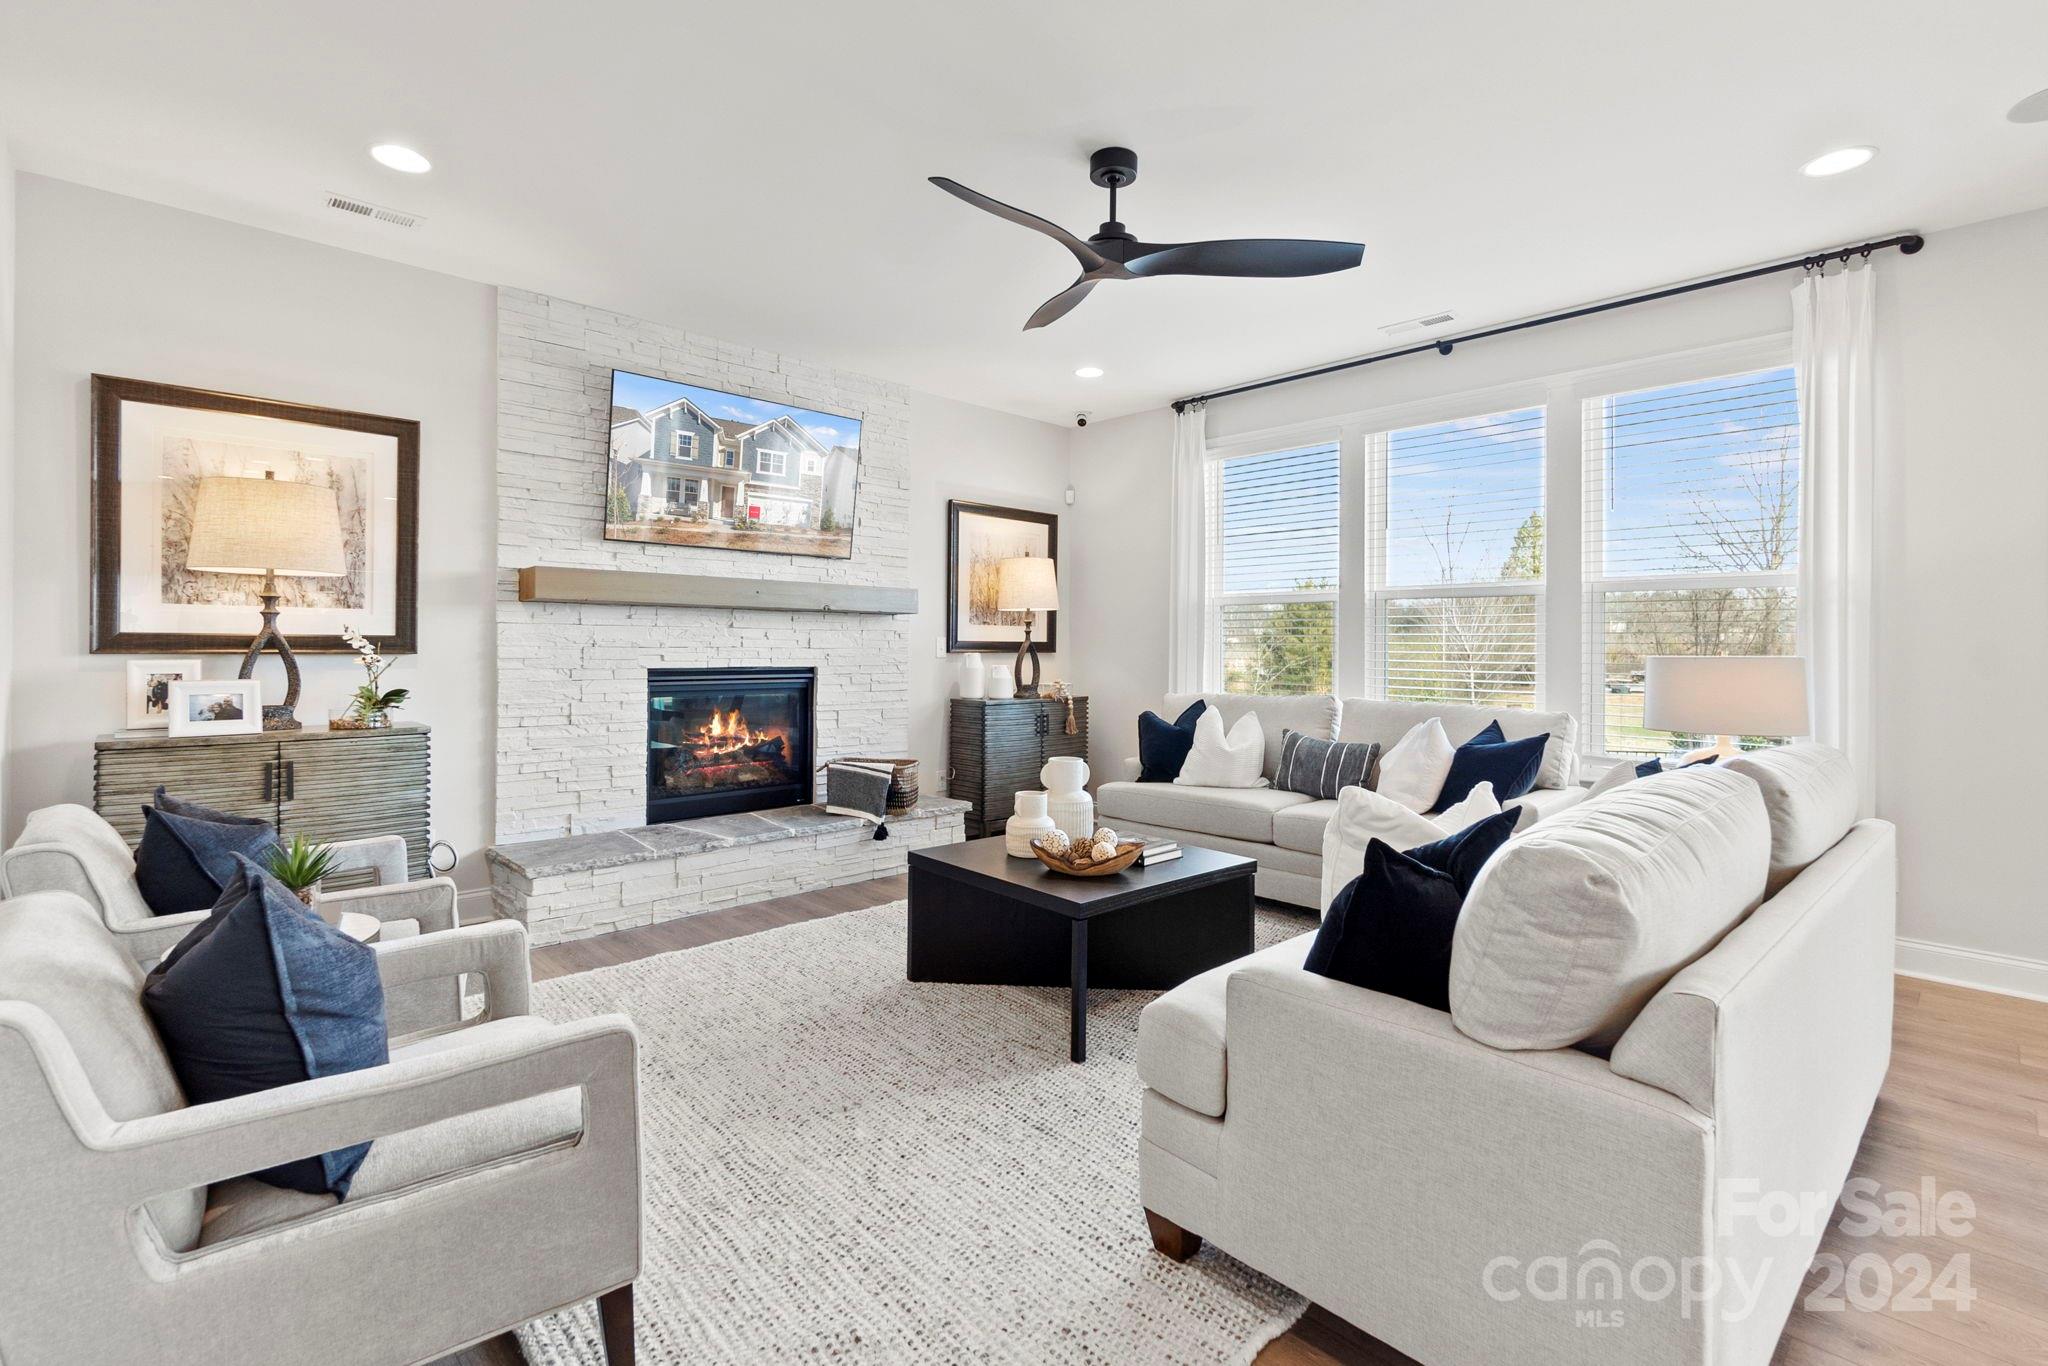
column 1911, row 244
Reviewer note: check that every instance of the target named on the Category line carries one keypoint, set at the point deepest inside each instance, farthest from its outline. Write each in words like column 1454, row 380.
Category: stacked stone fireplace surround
column 572, row 680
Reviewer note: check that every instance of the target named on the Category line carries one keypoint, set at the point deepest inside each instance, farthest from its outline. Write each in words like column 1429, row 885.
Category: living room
column 1371, row 779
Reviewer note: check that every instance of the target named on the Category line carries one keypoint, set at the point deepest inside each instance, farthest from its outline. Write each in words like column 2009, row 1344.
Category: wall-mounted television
column 697, row 466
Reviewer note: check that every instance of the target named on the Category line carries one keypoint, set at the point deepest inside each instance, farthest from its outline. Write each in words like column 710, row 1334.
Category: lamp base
column 277, row 716
column 280, row 718
column 1027, row 653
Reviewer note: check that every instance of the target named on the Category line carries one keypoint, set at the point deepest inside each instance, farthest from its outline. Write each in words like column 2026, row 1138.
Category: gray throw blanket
column 860, row 790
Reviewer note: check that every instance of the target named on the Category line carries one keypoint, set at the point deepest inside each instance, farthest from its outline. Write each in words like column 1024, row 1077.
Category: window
column 675, row 489
column 1273, row 564
column 774, row 463
column 692, row 492
column 1455, row 560
column 728, row 457
column 683, row 445
column 1692, row 537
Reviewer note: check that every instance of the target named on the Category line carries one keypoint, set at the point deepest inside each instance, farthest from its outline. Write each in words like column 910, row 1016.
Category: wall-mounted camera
column 1080, row 419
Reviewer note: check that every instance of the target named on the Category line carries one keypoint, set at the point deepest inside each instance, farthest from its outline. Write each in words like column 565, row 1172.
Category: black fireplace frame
column 712, row 682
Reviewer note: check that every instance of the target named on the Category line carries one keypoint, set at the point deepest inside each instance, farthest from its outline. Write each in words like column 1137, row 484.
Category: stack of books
column 1158, row 851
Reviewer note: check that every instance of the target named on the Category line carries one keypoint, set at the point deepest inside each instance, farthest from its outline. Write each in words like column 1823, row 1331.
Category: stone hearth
column 582, row 885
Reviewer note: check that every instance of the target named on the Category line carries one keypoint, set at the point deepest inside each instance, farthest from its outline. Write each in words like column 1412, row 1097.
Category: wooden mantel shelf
column 633, row 588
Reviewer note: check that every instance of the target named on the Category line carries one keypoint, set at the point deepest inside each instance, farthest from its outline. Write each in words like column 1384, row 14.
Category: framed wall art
column 978, row 537
column 149, row 689
column 153, row 443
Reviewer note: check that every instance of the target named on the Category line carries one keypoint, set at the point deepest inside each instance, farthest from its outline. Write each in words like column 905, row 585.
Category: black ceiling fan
column 1113, row 254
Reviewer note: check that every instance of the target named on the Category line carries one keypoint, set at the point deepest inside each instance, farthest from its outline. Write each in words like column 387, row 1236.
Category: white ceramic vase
column 1027, row 823
column 972, row 679
column 1067, row 800
column 1001, row 682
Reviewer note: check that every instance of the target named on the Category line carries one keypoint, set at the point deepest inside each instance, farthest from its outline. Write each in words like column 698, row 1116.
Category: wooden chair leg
column 615, row 1310
column 1173, row 1241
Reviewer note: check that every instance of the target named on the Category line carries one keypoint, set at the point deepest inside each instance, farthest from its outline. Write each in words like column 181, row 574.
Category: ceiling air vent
column 363, row 208
column 1421, row 324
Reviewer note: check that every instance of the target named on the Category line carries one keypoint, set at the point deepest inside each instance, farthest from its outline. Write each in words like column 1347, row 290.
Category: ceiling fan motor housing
column 1113, row 167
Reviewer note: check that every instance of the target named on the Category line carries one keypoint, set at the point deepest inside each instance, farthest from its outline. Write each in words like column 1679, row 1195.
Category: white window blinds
column 1273, row 566
column 1455, row 560
column 1692, row 533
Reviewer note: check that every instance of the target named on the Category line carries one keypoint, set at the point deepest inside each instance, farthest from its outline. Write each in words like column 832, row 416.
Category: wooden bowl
column 1127, row 852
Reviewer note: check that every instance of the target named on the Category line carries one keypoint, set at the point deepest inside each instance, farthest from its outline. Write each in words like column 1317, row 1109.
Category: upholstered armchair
column 71, row 848
column 503, row 1181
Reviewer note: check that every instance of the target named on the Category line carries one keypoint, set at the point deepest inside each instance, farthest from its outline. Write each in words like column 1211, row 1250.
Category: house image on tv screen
column 695, row 466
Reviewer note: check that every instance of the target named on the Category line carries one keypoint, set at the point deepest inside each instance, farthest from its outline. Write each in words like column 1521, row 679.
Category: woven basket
column 902, row 782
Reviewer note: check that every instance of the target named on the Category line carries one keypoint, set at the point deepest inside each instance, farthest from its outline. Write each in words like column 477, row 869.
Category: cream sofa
column 1284, row 830
column 1440, row 1193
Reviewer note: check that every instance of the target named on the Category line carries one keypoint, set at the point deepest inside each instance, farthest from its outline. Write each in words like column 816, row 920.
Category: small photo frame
column 149, row 690
column 225, row 706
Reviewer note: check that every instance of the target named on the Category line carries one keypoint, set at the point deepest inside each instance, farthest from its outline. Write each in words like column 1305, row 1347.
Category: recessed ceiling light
column 401, row 158
column 1840, row 160
column 2032, row 109
column 1088, row 372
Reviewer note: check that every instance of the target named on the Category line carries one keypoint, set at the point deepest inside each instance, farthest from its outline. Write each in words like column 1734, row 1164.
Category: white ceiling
column 757, row 171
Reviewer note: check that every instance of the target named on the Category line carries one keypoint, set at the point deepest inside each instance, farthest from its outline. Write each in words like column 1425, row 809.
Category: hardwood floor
column 1966, row 1104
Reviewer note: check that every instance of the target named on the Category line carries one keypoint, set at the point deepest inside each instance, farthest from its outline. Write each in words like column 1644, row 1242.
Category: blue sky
column 644, row 392
column 1680, row 457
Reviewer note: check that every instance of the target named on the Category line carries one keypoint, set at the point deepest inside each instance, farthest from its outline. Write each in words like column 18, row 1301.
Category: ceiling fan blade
column 1089, row 258
column 1060, row 304
column 1270, row 257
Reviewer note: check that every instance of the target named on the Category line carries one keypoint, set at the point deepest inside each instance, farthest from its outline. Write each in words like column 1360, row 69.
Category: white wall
column 962, row 451
column 1963, row 561
column 7, row 463
column 117, row 286
column 1962, row 565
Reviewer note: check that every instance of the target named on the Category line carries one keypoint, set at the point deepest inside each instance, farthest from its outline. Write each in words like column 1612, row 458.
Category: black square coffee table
column 978, row 915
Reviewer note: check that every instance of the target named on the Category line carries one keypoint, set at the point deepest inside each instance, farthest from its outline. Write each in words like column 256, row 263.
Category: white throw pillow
column 1220, row 760
column 1574, row 926
column 1364, row 815
column 1413, row 771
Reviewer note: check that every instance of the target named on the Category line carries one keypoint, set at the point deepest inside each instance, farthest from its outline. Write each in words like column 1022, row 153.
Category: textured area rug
column 842, row 1166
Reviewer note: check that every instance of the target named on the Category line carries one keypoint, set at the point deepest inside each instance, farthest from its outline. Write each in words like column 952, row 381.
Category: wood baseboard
column 2003, row 973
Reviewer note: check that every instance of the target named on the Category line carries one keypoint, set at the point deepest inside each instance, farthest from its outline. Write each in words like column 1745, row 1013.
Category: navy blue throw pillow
column 1651, row 767
column 186, row 857
column 1463, row 854
column 1489, row 757
column 264, row 993
column 1163, row 745
column 1390, row 929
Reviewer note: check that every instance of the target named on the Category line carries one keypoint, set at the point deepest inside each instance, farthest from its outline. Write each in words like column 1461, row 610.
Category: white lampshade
column 1726, row 695
column 256, row 526
column 1026, row 584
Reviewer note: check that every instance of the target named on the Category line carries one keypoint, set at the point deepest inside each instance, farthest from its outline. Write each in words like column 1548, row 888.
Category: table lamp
column 1726, row 695
column 1028, row 585
column 267, row 526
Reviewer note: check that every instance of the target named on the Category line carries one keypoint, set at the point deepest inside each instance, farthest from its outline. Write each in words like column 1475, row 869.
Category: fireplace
column 725, row 740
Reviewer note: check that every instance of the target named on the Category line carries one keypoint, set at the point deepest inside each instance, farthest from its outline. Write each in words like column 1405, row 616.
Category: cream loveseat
column 1284, row 830
column 1474, row 1205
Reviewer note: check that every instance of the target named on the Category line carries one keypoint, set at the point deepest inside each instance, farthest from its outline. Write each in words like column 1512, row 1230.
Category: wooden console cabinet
column 995, row 749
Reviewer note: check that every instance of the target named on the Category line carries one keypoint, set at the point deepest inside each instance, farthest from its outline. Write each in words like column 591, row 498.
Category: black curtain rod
column 1907, row 243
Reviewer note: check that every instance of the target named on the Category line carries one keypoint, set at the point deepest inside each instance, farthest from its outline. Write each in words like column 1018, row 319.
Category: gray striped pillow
column 1322, row 768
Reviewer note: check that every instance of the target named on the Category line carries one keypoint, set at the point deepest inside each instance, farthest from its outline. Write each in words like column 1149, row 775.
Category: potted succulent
column 372, row 705
column 300, row 865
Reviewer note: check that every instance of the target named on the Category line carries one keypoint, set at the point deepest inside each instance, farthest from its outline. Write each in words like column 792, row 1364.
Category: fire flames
column 725, row 731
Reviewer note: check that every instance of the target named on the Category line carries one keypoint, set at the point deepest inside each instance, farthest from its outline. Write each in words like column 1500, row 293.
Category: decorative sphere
column 1106, row 849
column 1054, row 842
column 1104, row 835
column 1081, row 856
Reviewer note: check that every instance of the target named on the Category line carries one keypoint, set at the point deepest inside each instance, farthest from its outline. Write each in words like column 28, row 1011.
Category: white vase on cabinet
column 1002, row 684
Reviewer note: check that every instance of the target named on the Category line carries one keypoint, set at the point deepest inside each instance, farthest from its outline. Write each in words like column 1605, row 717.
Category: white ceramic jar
column 1002, row 683
column 1026, row 824
column 972, row 679
column 1067, row 800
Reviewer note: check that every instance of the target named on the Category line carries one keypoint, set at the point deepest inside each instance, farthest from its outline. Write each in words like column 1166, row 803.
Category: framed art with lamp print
column 157, row 447
column 979, row 537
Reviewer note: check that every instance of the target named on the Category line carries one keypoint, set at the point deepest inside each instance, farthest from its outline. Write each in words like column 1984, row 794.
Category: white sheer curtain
column 1832, row 340
column 1187, row 551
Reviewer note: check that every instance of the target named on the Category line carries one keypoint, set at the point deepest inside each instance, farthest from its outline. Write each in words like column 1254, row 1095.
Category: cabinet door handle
column 291, row 779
